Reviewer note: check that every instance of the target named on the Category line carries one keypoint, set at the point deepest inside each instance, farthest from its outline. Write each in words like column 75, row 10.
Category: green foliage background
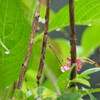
column 15, row 26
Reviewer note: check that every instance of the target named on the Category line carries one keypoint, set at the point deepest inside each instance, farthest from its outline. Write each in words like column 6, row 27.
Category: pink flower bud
column 64, row 68
column 79, row 62
column 67, row 66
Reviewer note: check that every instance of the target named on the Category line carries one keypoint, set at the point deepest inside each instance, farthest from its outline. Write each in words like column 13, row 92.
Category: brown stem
column 44, row 43
column 29, row 49
column 72, row 39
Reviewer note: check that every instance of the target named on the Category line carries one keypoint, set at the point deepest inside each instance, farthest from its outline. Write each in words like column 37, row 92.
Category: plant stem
column 29, row 49
column 44, row 43
column 72, row 39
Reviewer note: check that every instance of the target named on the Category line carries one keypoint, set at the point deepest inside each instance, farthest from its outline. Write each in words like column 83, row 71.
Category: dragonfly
column 60, row 60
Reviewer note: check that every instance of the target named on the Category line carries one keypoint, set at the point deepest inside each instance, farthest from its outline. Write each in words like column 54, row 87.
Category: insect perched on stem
column 79, row 61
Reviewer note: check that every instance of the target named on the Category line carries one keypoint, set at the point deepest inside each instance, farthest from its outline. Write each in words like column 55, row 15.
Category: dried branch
column 72, row 39
column 41, row 65
column 29, row 49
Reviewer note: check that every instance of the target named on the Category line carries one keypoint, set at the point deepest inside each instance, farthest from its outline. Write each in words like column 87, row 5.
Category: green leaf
column 71, row 90
column 19, row 95
column 90, row 95
column 70, row 96
column 90, row 40
column 28, row 3
column 86, row 13
column 50, row 83
column 14, row 34
column 43, row 93
column 40, row 90
column 6, row 93
column 63, row 49
column 30, row 84
column 32, row 9
column 48, row 94
column 54, row 66
column 94, row 90
column 83, row 76
column 43, row 12
column 31, row 97
column 48, row 99
column 82, row 81
column 64, row 80
column 90, row 71
column 29, row 8
column 31, row 75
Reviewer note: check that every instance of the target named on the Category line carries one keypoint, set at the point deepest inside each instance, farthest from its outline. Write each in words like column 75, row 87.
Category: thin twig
column 44, row 43
column 72, row 39
column 29, row 49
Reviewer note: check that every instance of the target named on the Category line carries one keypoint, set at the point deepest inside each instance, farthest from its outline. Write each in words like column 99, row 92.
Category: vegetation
column 23, row 76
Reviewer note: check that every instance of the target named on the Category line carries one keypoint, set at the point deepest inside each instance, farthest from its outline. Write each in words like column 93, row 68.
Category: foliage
column 15, row 25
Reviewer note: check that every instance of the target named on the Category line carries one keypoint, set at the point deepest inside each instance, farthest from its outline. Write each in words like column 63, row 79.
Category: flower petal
column 64, row 68
column 68, row 63
column 79, row 67
column 69, row 59
column 78, row 61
